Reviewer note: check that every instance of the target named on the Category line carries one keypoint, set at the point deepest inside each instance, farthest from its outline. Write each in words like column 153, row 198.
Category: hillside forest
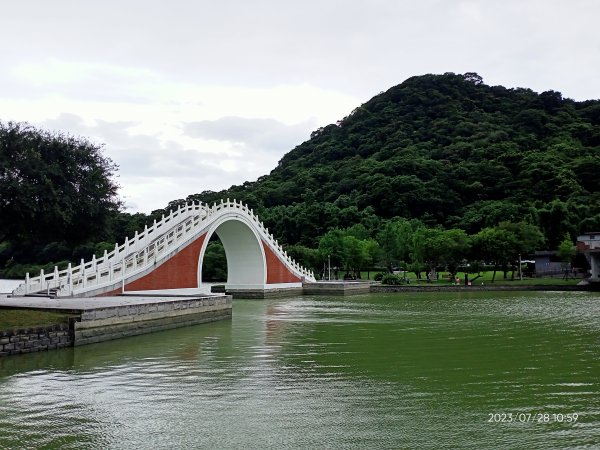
column 434, row 173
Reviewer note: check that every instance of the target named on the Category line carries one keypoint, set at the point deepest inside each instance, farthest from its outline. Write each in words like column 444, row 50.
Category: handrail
column 137, row 253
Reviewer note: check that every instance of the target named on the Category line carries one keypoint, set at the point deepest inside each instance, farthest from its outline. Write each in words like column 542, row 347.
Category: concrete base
column 149, row 315
column 337, row 288
column 105, row 318
column 261, row 291
column 87, row 333
column 264, row 293
column 592, row 284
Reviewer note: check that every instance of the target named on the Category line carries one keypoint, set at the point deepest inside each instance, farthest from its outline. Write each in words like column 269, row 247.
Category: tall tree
column 567, row 250
column 436, row 246
column 494, row 245
column 53, row 187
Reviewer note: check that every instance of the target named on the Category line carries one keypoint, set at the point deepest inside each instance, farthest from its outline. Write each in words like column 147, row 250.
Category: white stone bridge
column 169, row 256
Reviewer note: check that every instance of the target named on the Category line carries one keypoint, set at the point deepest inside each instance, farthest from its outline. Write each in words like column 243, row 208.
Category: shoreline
column 378, row 288
column 113, row 318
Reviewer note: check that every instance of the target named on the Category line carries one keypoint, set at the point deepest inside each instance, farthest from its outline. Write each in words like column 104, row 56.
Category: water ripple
column 422, row 371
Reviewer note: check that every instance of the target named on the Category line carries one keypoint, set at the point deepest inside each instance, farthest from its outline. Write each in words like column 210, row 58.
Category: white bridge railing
column 144, row 249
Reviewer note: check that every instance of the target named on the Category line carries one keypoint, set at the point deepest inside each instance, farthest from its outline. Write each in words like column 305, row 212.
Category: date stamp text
column 535, row 417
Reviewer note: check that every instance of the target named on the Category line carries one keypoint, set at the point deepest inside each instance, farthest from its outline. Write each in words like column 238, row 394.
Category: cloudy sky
column 191, row 95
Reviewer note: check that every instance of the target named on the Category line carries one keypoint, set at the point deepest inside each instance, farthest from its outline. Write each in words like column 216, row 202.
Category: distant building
column 548, row 263
column 589, row 245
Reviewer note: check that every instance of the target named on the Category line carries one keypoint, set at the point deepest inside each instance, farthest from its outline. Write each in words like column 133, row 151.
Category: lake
column 413, row 370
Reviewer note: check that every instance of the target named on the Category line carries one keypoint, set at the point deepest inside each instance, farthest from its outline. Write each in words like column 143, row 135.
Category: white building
column 589, row 245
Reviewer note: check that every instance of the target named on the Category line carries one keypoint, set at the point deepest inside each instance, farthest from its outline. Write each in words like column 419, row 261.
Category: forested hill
column 446, row 149
column 486, row 163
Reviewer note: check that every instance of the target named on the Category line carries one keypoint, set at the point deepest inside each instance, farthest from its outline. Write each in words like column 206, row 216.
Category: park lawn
column 29, row 318
column 486, row 278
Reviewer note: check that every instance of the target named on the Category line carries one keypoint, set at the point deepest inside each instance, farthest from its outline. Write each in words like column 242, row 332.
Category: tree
column 372, row 250
column 53, row 187
column 527, row 238
column 566, row 250
column 556, row 219
column 494, row 245
column 456, row 245
column 435, row 246
column 305, row 256
column 214, row 265
column 396, row 240
column 331, row 249
column 354, row 254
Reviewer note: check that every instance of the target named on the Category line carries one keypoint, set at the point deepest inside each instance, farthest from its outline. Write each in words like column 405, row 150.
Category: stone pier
column 105, row 318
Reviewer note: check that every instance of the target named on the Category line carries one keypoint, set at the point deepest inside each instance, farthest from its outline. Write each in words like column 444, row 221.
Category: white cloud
column 154, row 169
column 260, row 133
column 164, row 135
column 56, row 72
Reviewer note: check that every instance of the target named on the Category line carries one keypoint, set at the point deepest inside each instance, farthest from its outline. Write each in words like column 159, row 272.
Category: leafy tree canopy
column 447, row 150
column 53, row 188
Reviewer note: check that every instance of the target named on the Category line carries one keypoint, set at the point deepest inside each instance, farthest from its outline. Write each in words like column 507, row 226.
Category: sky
column 194, row 95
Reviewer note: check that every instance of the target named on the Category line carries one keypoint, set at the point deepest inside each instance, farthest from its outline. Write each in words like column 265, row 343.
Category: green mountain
column 445, row 149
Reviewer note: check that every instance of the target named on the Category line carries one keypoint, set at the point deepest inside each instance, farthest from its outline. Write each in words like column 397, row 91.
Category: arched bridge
column 169, row 255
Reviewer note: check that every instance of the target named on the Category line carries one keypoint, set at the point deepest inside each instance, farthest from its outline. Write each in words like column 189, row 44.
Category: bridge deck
column 104, row 318
column 91, row 303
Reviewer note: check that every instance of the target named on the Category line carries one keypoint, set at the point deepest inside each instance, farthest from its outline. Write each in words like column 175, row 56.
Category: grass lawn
column 486, row 278
column 28, row 318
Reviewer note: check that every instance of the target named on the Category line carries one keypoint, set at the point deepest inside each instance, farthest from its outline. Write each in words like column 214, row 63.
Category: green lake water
column 452, row 370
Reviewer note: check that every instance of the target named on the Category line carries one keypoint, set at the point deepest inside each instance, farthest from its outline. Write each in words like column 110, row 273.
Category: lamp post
column 520, row 269
column 329, row 267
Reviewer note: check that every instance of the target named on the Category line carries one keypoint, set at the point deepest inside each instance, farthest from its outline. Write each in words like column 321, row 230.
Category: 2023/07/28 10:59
column 532, row 417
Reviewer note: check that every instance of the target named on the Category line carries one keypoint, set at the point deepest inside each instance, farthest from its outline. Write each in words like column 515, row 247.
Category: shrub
column 379, row 276
column 392, row 279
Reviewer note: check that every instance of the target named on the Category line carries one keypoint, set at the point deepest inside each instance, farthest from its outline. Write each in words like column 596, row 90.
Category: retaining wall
column 103, row 324
column 253, row 294
column 103, row 319
column 337, row 288
column 14, row 342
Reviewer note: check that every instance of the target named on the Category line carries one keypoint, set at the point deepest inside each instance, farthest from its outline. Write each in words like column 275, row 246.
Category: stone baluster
column 83, row 273
column 70, row 279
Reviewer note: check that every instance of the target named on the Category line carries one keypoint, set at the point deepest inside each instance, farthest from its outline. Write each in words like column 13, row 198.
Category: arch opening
column 214, row 264
column 244, row 253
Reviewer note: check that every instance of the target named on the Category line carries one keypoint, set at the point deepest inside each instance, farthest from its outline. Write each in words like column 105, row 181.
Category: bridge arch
column 245, row 254
column 169, row 255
